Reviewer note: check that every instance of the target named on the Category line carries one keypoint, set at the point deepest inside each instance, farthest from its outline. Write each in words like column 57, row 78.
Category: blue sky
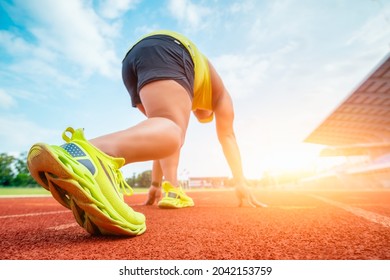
column 287, row 64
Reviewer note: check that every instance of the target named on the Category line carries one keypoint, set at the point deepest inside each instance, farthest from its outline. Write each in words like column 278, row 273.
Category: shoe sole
column 172, row 203
column 71, row 184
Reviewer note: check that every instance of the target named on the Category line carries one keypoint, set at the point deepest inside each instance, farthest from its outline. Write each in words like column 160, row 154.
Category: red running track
column 304, row 225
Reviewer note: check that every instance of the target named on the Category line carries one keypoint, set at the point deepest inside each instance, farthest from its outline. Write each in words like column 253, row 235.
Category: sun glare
column 294, row 159
column 289, row 160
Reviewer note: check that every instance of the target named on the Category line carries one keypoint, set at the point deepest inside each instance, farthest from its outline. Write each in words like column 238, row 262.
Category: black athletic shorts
column 158, row 57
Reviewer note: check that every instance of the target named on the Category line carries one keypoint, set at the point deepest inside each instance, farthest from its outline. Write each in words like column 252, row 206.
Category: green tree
column 7, row 173
column 23, row 177
column 144, row 179
column 14, row 171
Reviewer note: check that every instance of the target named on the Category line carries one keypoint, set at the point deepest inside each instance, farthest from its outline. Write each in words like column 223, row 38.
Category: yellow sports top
column 202, row 81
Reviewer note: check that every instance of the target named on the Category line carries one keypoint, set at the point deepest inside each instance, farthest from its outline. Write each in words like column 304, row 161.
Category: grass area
column 22, row 191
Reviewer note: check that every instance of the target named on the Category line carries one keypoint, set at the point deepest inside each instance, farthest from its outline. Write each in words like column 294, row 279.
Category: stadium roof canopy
column 360, row 122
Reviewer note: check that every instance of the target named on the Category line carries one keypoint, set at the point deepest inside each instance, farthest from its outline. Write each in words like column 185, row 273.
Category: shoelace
column 123, row 186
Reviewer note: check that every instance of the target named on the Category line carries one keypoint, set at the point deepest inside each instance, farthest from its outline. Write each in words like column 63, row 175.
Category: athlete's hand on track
column 245, row 194
column 154, row 195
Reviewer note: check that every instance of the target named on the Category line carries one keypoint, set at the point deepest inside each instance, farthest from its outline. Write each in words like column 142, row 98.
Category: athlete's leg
column 157, row 174
column 169, row 100
column 154, row 193
column 168, row 107
column 138, row 143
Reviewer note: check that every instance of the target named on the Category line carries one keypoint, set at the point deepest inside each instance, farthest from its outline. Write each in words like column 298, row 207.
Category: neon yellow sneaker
column 87, row 181
column 174, row 197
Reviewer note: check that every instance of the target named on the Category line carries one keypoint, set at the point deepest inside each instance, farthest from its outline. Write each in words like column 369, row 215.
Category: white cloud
column 6, row 101
column 145, row 29
column 32, row 71
column 34, row 68
column 245, row 73
column 18, row 134
column 113, row 9
column 242, row 74
column 242, row 6
column 13, row 44
column 375, row 31
column 18, row 47
column 74, row 32
column 188, row 13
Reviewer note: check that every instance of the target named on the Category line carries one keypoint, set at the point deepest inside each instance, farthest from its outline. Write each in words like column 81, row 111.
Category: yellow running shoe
column 174, row 197
column 87, row 181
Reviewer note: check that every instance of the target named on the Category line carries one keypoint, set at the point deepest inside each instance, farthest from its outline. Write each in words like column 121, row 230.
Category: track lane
column 294, row 226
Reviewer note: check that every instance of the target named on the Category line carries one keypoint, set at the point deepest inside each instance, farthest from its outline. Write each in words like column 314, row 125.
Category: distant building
column 208, row 182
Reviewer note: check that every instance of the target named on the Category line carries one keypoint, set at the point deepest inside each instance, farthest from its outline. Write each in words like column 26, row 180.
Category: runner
column 167, row 78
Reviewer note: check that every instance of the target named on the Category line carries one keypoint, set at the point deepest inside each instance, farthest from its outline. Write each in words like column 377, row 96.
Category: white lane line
column 370, row 216
column 33, row 214
column 64, row 226
column 56, row 228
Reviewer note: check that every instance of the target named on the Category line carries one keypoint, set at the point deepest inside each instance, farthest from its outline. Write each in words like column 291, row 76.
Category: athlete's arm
column 224, row 118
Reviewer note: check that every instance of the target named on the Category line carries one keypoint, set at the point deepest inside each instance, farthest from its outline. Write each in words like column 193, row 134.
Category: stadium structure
column 358, row 128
